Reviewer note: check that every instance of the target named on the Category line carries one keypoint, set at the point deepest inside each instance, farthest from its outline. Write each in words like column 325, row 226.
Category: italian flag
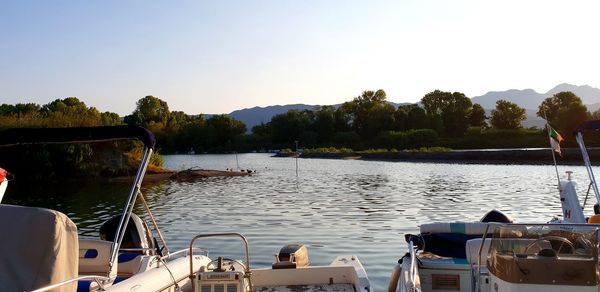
column 555, row 139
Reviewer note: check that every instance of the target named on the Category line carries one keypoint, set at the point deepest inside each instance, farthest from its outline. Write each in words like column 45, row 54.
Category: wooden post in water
column 297, row 154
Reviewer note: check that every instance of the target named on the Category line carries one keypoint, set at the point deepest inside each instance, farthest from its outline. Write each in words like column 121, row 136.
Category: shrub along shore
column 570, row 156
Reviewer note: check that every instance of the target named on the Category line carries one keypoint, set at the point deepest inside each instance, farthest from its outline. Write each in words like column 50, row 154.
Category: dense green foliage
column 178, row 132
column 564, row 111
column 60, row 161
column 507, row 115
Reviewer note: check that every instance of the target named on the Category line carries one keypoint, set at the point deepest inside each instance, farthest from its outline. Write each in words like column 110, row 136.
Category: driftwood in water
column 184, row 175
column 190, row 174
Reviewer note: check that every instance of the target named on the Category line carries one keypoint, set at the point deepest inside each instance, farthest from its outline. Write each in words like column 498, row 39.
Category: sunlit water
column 334, row 206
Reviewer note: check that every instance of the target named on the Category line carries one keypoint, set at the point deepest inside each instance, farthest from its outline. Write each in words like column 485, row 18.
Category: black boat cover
column 587, row 125
column 16, row 136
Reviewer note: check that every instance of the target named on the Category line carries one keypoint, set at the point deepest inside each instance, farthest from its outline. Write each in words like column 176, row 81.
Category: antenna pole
column 297, row 154
column 552, row 149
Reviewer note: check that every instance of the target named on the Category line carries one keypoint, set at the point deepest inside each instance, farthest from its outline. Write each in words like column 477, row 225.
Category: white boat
column 3, row 183
column 495, row 254
column 41, row 249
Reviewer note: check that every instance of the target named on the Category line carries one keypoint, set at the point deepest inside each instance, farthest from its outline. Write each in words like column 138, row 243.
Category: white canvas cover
column 39, row 247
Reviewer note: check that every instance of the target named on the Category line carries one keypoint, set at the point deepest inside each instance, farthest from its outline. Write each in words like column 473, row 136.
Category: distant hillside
column 257, row 115
column 530, row 99
column 527, row 98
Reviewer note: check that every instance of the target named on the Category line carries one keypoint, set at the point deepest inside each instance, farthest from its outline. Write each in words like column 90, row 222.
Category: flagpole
column 552, row 149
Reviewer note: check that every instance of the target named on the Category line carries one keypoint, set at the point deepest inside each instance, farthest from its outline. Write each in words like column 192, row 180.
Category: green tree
column 70, row 112
column 176, row 121
column 362, row 107
column 226, row 129
column 417, row 118
column 507, row 115
column 262, row 130
column 342, row 118
column 19, row 109
column 110, row 119
column 400, row 118
column 436, row 101
column 151, row 112
column 564, row 111
column 289, row 126
column 380, row 118
column 453, row 107
column 477, row 116
column 324, row 124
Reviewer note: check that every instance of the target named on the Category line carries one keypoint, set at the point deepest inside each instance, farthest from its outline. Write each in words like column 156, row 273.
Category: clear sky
column 219, row 56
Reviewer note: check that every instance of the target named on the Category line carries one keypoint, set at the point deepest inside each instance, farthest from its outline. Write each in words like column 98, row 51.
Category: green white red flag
column 555, row 139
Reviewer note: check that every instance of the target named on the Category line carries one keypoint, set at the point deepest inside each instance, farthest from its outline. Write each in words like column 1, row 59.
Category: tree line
column 439, row 119
column 367, row 121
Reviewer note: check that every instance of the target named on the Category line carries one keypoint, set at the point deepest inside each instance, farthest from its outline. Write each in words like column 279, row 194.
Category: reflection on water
column 333, row 206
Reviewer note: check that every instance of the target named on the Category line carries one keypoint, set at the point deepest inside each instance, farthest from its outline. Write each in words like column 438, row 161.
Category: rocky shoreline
column 570, row 156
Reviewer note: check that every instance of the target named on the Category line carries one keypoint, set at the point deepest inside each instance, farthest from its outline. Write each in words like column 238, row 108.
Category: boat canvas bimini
column 41, row 249
column 497, row 255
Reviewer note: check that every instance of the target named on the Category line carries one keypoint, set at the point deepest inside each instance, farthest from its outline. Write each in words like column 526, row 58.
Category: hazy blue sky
column 215, row 57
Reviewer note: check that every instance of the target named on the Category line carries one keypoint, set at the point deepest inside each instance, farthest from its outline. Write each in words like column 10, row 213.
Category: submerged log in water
column 190, row 174
column 153, row 176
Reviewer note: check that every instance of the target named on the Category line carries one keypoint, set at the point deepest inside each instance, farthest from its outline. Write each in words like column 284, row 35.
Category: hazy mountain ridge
column 530, row 99
column 257, row 115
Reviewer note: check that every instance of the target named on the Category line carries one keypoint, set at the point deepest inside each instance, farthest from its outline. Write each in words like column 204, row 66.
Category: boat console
column 291, row 271
column 549, row 254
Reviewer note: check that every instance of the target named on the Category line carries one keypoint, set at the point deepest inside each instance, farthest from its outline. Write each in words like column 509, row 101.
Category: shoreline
column 537, row 156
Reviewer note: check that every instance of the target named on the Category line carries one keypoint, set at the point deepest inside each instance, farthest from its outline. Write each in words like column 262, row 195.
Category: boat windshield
column 558, row 254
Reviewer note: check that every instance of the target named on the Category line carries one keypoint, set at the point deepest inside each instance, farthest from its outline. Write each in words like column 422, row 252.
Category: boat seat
column 94, row 255
column 472, row 250
column 448, row 239
column 39, row 249
column 130, row 264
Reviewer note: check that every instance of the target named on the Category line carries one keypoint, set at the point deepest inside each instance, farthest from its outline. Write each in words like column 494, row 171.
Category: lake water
column 334, row 206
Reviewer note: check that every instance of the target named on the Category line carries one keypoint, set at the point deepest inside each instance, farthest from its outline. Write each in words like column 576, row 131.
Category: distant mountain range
column 530, row 99
column 257, row 115
column 526, row 98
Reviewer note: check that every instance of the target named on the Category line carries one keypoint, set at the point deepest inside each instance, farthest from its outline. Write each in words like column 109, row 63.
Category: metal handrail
column 98, row 280
column 483, row 238
column 588, row 164
column 414, row 271
column 186, row 252
column 160, row 235
column 247, row 272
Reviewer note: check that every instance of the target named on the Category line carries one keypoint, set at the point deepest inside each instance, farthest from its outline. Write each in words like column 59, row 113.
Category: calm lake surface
column 334, row 206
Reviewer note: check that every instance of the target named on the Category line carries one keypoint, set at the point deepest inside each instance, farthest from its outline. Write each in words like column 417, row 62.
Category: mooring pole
column 297, row 154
